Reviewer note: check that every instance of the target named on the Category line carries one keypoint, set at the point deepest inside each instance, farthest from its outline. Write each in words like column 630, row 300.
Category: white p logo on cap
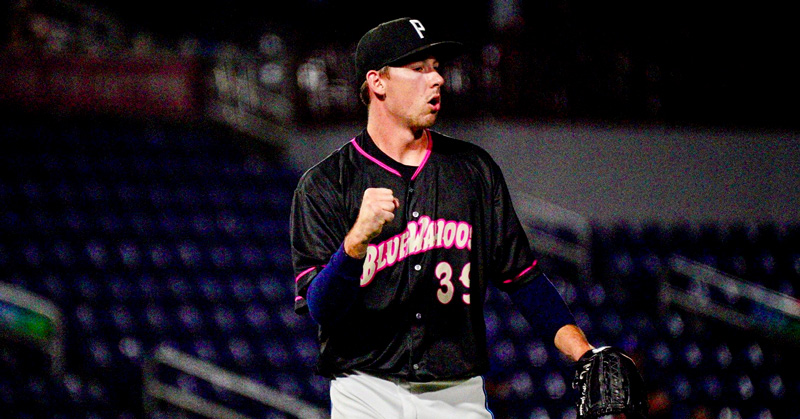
column 418, row 27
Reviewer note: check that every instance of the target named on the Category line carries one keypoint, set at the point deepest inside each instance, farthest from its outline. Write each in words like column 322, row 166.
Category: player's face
column 413, row 92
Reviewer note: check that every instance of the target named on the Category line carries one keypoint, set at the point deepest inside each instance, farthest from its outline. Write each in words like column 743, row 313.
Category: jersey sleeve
column 317, row 229
column 514, row 261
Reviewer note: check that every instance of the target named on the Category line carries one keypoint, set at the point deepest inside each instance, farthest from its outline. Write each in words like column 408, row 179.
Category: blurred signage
column 128, row 87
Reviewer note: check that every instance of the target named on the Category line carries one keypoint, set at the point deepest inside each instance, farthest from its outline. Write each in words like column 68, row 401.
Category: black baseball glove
column 608, row 383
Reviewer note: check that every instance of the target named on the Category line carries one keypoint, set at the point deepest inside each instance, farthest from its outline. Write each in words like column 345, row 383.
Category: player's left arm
column 546, row 311
column 571, row 341
column 605, row 372
column 531, row 291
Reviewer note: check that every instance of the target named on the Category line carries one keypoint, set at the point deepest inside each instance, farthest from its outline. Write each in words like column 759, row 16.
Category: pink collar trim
column 391, row 170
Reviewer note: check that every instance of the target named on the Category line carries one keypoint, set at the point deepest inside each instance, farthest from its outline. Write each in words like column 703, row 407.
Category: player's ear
column 376, row 83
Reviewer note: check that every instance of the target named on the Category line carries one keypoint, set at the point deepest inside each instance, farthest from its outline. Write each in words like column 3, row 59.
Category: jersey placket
column 417, row 314
column 414, row 267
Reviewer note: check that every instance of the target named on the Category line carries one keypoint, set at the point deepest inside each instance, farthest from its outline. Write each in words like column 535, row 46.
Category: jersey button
column 417, row 267
column 415, row 214
column 419, row 316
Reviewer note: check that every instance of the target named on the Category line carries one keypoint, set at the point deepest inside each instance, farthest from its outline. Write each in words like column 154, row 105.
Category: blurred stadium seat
column 178, row 236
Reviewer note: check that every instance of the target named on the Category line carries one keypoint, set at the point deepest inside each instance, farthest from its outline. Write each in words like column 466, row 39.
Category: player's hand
column 377, row 209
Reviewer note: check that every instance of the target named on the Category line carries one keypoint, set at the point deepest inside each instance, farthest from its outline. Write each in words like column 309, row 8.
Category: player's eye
column 423, row 66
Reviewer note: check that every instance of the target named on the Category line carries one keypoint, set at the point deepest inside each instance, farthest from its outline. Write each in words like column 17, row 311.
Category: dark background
column 708, row 62
column 644, row 130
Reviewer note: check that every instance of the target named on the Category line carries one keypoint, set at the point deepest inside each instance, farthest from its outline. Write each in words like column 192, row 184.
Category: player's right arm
column 334, row 290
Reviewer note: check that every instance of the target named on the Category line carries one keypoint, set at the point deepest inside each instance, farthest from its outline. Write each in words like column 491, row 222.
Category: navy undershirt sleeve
column 542, row 306
column 335, row 288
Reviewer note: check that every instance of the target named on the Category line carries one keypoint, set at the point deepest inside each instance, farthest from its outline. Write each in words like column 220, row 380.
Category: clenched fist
column 377, row 209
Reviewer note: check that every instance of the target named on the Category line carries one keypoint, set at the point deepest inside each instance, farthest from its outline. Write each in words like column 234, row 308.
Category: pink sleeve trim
column 303, row 273
column 508, row 281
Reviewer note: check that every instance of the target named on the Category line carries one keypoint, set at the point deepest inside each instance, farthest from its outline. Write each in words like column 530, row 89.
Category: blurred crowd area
column 673, row 63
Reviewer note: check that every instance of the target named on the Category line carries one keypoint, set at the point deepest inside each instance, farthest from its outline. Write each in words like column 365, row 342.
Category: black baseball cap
column 398, row 40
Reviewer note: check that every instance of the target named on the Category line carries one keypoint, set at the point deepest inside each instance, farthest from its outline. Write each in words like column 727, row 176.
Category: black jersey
column 420, row 310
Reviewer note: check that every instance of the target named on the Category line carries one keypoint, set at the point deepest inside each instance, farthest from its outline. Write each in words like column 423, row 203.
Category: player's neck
column 405, row 146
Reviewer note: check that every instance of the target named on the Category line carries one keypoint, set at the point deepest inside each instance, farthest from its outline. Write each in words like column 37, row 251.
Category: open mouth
column 435, row 102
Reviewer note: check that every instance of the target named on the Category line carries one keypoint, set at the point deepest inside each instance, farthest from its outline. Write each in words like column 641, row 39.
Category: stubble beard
column 424, row 121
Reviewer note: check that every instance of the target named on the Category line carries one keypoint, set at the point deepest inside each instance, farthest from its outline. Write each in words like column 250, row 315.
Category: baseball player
column 396, row 236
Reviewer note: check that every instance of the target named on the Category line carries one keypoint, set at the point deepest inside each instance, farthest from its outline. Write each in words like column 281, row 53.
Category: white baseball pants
column 363, row 396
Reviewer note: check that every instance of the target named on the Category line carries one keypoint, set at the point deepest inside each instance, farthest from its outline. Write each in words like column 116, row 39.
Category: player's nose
column 436, row 78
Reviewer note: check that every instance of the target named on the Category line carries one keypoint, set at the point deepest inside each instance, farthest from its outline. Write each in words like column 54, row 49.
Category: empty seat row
column 146, row 236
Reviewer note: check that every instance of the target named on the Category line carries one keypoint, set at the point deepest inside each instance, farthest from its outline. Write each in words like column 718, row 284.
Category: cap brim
column 443, row 51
